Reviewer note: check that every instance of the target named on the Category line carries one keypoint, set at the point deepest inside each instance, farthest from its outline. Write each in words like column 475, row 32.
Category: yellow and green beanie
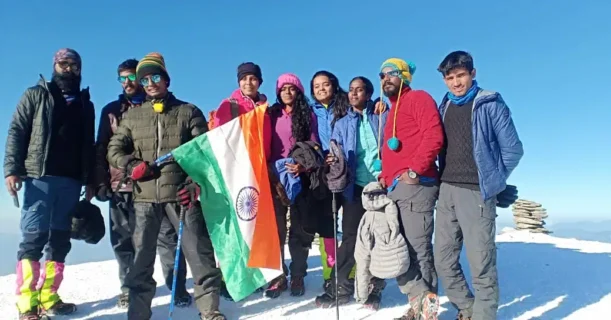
column 407, row 68
column 152, row 63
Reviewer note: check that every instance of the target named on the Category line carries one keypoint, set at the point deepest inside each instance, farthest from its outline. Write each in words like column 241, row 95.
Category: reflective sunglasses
column 123, row 79
column 393, row 73
column 156, row 78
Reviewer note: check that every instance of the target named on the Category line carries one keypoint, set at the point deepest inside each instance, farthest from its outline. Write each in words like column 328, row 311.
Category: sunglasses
column 393, row 73
column 65, row 64
column 123, row 79
column 156, row 78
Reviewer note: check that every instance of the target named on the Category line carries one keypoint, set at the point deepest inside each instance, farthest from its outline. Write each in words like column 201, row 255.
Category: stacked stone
column 529, row 215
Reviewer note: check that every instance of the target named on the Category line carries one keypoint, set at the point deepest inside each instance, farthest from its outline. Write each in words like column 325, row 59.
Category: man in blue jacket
column 481, row 150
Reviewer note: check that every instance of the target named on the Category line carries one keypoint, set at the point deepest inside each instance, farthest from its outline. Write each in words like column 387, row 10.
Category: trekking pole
column 181, row 221
column 334, row 208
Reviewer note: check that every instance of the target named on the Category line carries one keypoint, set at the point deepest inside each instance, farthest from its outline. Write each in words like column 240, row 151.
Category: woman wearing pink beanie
column 292, row 121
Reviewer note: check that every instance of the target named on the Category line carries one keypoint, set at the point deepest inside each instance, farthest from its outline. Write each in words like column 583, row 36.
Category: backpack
column 235, row 112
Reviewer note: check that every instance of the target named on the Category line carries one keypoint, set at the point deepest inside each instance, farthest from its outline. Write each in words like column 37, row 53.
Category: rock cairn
column 529, row 215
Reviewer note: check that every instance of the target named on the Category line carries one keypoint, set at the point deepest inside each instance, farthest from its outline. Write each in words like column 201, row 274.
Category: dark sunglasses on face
column 156, row 78
column 131, row 77
column 65, row 64
column 393, row 73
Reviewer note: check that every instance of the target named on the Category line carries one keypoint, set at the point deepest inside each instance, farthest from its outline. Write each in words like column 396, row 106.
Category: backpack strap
column 235, row 108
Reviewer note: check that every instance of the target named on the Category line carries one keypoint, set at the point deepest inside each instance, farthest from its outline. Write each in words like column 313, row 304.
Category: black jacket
column 29, row 134
column 309, row 155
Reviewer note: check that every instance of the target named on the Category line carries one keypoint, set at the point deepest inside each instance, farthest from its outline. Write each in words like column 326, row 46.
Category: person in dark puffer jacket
column 49, row 149
column 111, row 186
column 159, row 126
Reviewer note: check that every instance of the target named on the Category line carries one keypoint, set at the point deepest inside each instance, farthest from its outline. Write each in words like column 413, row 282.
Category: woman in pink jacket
column 245, row 99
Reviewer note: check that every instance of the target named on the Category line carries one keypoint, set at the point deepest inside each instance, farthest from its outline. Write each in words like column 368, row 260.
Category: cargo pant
column 463, row 216
column 46, row 220
column 196, row 246
column 416, row 204
column 122, row 218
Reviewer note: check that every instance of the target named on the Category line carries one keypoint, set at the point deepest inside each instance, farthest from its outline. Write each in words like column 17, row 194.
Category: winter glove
column 103, row 193
column 507, row 197
column 139, row 170
column 188, row 193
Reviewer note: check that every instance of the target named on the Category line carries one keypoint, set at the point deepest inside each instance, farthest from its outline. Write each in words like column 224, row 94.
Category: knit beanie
column 288, row 78
column 407, row 68
column 247, row 68
column 152, row 63
column 67, row 53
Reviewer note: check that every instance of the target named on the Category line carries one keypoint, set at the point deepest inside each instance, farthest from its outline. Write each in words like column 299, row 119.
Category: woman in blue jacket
column 330, row 102
column 358, row 130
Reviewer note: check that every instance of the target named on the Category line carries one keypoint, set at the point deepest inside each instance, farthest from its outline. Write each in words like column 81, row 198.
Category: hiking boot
column 297, row 286
column 276, row 287
column 422, row 307
column 224, row 293
column 327, row 300
column 215, row 315
column 60, row 308
column 29, row 315
column 184, row 300
column 123, row 301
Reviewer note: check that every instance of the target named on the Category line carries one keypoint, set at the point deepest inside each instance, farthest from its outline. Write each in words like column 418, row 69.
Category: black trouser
column 353, row 211
column 122, row 222
column 196, row 246
column 299, row 241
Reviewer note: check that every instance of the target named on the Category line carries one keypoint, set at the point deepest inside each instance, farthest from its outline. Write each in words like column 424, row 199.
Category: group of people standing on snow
column 390, row 154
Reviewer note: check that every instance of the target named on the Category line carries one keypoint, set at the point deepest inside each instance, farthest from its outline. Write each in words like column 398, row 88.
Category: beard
column 391, row 92
column 68, row 82
column 136, row 91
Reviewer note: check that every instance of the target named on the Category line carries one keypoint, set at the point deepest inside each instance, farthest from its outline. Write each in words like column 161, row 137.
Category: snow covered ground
column 541, row 277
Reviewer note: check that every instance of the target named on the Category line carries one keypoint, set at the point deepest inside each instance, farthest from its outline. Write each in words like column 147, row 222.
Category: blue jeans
column 46, row 217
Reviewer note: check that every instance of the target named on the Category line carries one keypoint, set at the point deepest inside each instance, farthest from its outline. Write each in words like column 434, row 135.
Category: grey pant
column 416, row 204
column 462, row 216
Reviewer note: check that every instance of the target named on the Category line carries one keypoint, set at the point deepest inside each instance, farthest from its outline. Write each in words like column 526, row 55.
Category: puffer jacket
column 147, row 135
column 380, row 251
column 309, row 155
column 110, row 119
column 29, row 134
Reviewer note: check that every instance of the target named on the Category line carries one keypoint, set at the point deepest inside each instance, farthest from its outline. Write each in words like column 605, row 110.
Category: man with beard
column 111, row 186
column 146, row 133
column 50, row 150
column 414, row 139
column 474, row 170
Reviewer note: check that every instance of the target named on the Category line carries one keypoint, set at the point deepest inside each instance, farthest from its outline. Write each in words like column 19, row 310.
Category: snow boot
column 30, row 315
column 422, row 307
column 28, row 273
column 123, row 301
column 60, row 308
column 297, row 286
column 224, row 293
column 327, row 300
column 183, row 300
column 50, row 280
column 461, row 315
column 215, row 315
column 326, row 285
column 276, row 287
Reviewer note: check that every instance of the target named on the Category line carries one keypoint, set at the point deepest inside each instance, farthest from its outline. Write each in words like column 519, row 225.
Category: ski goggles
column 146, row 81
column 392, row 73
column 123, row 79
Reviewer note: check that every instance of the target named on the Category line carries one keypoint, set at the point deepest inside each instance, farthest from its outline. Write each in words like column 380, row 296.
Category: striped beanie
column 67, row 53
column 152, row 63
column 407, row 68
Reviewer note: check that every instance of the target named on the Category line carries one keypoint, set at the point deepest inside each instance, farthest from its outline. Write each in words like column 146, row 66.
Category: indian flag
column 230, row 166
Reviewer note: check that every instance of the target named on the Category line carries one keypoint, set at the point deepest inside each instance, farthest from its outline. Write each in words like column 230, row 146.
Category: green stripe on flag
column 198, row 160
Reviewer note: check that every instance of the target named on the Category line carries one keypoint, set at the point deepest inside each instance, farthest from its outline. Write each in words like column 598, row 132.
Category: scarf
column 470, row 95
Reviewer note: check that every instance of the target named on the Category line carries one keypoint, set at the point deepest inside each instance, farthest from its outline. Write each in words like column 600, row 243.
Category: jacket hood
column 375, row 198
column 244, row 100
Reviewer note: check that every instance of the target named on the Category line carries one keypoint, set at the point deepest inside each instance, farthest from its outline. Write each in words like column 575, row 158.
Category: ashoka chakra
column 247, row 203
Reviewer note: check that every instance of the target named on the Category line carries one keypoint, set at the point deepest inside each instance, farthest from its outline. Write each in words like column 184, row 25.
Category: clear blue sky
column 549, row 61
